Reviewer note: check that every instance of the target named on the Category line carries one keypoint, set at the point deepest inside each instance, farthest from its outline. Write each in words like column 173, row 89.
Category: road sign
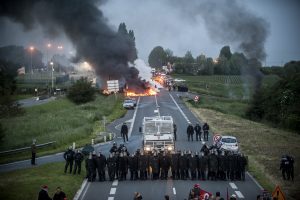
column 217, row 137
column 277, row 193
column 196, row 98
column 113, row 86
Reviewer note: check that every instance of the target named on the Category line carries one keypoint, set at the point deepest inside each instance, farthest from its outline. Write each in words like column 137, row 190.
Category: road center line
column 113, row 190
column 233, row 186
column 174, row 191
column 185, row 117
column 239, row 194
column 133, row 118
column 115, row 183
column 111, row 198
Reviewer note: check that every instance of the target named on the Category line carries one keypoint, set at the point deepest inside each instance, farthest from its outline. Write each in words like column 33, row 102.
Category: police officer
column 205, row 149
column 114, row 148
column 284, row 163
column 175, row 131
column 182, row 162
column 123, row 166
column 221, row 166
column 111, row 166
column 124, row 132
column 205, row 130
column 164, row 162
column 101, row 164
column 190, row 131
column 243, row 163
column 203, row 164
column 90, row 168
column 154, row 164
column 198, row 131
column 212, row 166
column 143, row 165
column 69, row 158
column 78, row 157
column 174, row 165
column 193, row 164
column 290, row 169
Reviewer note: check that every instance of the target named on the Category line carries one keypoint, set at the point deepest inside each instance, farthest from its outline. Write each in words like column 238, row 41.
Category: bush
column 81, row 91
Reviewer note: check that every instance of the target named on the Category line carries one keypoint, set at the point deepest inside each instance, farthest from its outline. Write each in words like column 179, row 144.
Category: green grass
column 263, row 145
column 60, row 121
column 233, row 87
column 25, row 184
column 226, row 106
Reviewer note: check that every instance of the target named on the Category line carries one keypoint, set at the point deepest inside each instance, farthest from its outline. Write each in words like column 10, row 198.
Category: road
column 168, row 103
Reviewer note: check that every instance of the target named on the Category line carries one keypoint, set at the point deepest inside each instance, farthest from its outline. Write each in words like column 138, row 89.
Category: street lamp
column 47, row 64
column 51, row 63
column 31, row 50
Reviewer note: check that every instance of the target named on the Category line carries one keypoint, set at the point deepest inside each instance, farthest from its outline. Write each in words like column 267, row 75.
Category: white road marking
column 113, row 190
column 111, row 198
column 185, row 117
column 233, row 186
column 253, row 179
column 86, row 189
column 174, row 191
column 80, row 189
column 115, row 183
column 157, row 107
column 239, row 194
column 133, row 118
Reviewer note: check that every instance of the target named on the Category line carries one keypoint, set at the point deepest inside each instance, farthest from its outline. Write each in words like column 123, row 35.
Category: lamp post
column 47, row 65
column 52, row 69
column 31, row 50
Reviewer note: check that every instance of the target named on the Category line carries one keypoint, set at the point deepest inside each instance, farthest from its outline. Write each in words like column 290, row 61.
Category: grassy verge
column 25, row 184
column 233, row 87
column 263, row 145
column 60, row 121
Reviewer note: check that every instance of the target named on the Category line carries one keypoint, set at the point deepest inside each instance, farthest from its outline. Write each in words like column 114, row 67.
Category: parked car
column 128, row 104
column 229, row 143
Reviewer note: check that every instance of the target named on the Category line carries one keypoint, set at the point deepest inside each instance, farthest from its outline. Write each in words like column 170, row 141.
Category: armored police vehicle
column 158, row 133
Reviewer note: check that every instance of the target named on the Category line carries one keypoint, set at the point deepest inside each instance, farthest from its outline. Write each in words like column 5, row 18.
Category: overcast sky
column 157, row 22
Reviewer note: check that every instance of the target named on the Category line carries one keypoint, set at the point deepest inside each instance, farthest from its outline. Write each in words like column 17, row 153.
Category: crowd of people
column 287, row 167
column 58, row 195
column 207, row 164
column 198, row 131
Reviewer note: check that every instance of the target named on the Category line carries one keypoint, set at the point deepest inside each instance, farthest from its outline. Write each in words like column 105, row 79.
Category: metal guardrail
column 13, row 151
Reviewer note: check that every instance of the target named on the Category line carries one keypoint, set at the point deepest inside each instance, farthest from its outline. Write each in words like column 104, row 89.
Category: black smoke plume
column 229, row 22
column 84, row 24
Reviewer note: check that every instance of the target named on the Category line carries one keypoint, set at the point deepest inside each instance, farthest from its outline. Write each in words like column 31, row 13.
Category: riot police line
column 209, row 163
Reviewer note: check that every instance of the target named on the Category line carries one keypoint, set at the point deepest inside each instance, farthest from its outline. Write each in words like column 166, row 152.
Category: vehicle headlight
column 170, row 148
column 147, row 148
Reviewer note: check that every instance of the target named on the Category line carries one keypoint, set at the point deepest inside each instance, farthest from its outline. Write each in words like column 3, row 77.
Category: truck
column 158, row 133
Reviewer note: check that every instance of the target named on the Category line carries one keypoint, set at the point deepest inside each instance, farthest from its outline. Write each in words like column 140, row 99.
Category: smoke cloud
column 227, row 21
column 84, row 25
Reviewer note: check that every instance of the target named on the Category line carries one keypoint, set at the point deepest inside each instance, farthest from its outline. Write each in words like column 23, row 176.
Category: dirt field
column 263, row 145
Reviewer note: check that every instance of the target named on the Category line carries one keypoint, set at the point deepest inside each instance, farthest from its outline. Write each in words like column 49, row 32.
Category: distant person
column 190, row 132
column 43, row 194
column 205, row 130
column 137, row 196
column 124, row 132
column 198, row 131
column 33, row 152
column 78, row 157
column 59, row 194
column 167, row 197
column 175, row 131
column 69, row 158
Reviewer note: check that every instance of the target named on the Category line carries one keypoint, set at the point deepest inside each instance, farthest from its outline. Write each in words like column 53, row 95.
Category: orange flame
column 148, row 92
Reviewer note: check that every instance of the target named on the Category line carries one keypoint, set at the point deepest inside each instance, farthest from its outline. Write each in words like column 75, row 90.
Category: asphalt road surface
column 168, row 103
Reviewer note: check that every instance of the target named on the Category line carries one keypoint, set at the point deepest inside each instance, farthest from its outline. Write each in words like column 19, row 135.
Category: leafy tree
column 157, row 57
column 81, row 91
column 129, row 36
column 291, row 68
column 279, row 104
column 225, row 52
column 188, row 58
column 8, row 73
